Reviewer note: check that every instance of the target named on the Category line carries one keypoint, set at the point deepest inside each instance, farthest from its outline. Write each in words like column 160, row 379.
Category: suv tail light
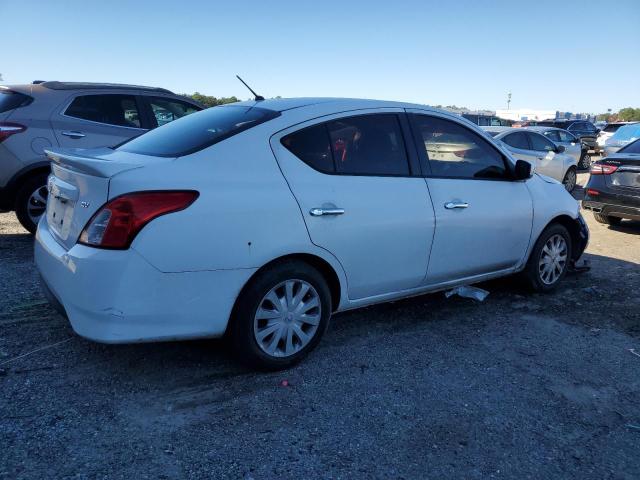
column 7, row 129
column 602, row 169
column 118, row 222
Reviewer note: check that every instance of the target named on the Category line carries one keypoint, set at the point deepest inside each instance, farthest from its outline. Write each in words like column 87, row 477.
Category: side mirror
column 560, row 149
column 523, row 170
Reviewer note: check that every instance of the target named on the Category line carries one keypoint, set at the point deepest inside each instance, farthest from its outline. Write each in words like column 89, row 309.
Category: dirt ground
column 519, row 386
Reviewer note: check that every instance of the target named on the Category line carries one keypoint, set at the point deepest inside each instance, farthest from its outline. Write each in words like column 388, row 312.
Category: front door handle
column 318, row 212
column 73, row 134
column 452, row 205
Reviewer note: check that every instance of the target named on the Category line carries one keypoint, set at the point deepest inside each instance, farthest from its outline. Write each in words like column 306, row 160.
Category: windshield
column 197, row 131
column 627, row 132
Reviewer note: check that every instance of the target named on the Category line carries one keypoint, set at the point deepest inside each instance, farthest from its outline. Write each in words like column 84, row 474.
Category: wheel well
column 572, row 226
column 16, row 182
column 325, row 269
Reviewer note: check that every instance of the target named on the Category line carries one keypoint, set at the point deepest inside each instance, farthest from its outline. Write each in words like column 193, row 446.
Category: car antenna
column 257, row 97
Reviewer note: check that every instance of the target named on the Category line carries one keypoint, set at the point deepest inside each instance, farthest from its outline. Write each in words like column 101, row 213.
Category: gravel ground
column 519, row 386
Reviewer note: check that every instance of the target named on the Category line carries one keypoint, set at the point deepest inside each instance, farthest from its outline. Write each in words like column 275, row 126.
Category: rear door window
column 517, row 140
column 539, row 143
column 566, row 136
column 368, row 145
column 455, row 151
column 552, row 135
column 110, row 109
column 198, row 131
column 311, row 145
column 167, row 110
column 361, row 145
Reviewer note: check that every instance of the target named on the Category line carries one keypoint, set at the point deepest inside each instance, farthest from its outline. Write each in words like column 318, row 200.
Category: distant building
column 525, row 114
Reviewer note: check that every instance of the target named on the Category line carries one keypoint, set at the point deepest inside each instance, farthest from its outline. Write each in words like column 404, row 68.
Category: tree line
column 628, row 114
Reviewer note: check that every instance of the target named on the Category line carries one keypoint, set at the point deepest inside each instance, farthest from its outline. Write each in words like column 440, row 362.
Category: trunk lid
column 79, row 185
column 627, row 175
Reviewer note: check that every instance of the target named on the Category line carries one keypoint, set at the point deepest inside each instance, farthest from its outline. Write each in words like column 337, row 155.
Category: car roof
column 541, row 129
column 284, row 104
column 56, row 85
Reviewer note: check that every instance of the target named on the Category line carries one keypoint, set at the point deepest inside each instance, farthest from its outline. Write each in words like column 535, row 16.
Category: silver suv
column 65, row 114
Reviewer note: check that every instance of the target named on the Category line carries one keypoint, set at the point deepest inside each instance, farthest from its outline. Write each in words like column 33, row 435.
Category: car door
column 483, row 217
column 362, row 197
column 547, row 160
column 90, row 120
column 518, row 144
column 571, row 144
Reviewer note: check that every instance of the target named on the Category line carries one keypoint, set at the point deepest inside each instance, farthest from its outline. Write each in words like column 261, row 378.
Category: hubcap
column 586, row 161
column 37, row 204
column 570, row 180
column 553, row 259
column 287, row 318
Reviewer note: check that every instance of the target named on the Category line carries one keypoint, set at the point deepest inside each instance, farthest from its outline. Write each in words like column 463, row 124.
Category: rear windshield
column 611, row 127
column 197, row 131
column 628, row 132
column 10, row 100
column 631, row 148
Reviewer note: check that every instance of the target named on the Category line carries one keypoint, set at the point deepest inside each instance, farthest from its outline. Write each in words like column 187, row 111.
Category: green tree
column 209, row 101
column 629, row 114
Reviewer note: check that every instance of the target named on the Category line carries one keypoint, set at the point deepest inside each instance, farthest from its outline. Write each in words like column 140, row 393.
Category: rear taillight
column 118, row 222
column 602, row 169
column 7, row 129
column 592, row 192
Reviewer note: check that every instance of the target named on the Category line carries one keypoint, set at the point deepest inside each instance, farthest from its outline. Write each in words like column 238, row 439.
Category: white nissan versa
column 259, row 219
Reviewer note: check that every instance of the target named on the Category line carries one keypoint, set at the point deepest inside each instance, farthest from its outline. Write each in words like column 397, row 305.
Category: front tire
column 280, row 316
column 549, row 260
column 31, row 201
column 607, row 220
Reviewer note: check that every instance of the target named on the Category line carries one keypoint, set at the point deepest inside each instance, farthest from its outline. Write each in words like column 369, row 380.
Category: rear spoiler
column 98, row 162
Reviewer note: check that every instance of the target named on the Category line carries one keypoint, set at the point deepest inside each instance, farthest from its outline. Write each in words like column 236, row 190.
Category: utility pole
column 509, row 101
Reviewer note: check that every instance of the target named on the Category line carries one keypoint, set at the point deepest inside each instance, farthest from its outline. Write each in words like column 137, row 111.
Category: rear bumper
column 118, row 297
column 612, row 210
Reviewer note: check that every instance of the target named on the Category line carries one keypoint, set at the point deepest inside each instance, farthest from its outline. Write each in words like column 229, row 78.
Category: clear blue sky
column 568, row 55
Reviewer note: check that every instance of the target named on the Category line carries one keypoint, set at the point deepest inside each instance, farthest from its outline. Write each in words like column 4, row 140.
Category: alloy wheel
column 37, row 204
column 570, row 180
column 287, row 318
column 553, row 259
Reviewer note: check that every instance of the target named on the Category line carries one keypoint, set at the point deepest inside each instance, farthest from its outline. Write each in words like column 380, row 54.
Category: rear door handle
column 318, row 212
column 452, row 205
column 73, row 134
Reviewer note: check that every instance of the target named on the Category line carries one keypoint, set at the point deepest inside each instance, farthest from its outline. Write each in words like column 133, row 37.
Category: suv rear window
column 10, row 100
column 112, row 109
column 198, row 131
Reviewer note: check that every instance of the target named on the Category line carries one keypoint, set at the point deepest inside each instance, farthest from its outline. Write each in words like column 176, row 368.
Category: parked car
column 572, row 145
column 623, row 136
column 547, row 157
column 260, row 219
column 608, row 131
column 66, row 114
column 584, row 130
column 613, row 189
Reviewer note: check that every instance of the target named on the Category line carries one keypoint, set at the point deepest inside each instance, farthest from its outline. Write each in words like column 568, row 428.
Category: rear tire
column 607, row 220
column 549, row 259
column 585, row 161
column 570, row 179
column 31, row 201
column 275, row 335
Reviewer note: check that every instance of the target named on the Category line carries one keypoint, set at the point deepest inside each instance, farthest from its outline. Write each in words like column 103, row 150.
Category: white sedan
column 548, row 158
column 260, row 219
